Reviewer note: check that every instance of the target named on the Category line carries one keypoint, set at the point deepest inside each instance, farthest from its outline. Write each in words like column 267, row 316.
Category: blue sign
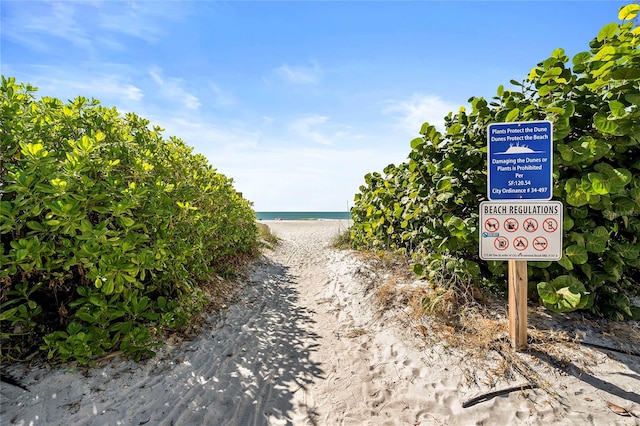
column 520, row 161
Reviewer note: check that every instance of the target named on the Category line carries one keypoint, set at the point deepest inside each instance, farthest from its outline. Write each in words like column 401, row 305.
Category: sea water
column 302, row 215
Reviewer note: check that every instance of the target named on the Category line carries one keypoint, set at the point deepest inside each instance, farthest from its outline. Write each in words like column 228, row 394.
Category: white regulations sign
column 521, row 230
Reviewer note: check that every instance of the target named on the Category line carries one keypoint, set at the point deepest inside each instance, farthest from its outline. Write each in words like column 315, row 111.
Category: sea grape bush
column 428, row 207
column 109, row 232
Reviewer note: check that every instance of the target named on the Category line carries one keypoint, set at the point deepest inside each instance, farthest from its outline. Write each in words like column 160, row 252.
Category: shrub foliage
column 108, row 231
column 428, row 207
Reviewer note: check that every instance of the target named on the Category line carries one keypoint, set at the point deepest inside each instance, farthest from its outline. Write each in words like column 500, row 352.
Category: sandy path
column 361, row 362
column 305, row 345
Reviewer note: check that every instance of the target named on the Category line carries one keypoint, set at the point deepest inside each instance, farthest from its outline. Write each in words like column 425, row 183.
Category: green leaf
column 565, row 263
column 418, row 269
column 551, row 74
column 85, row 316
column 570, row 300
column 512, row 115
column 604, row 54
column 558, row 53
column 608, row 31
column 444, row 184
column 577, row 198
column 629, row 12
column 624, row 206
column 21, row 254
column 633, row 98
column 454, row 222
column 577, row 238
column 548, row 293
column 561, row 128
column 577, row 254
column 454, row 129
column 625, row 73
column 594, row 244
column 599, row 183
column 566, row 152
column 563, row 294
column 600, row 232
column 425, row 128
column 581, row 58
column 126, row 222
column 603, row 124
column 36, row 226
column 8, row 314
column 614, row 269
column 33, row 150
column 545, row 90
column 628, row 251
column 617, row 108
column 570, row 109
column 567, row 223
column 97, row 300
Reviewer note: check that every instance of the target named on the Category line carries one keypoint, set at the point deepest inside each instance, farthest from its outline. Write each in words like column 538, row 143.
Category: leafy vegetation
column 109, row 233
column 428, row 207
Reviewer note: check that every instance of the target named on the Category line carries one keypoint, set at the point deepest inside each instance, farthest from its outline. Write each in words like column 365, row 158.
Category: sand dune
column 305, row 344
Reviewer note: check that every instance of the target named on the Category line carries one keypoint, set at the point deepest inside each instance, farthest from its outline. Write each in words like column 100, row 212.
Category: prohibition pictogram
column 491, row 224
column 540, row 243
column 530, row 224
column 501, row 243
column 511, row 225
column 550, row 224
column 520, row 243
column 519, row 230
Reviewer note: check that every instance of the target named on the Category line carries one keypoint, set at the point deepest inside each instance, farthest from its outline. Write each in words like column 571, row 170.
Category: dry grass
column 267, row 238
column 342, row 241
column 454, row 314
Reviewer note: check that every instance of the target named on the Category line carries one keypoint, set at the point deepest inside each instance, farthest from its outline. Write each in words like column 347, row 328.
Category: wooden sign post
column 518, row 232
column 520, row 222
column 518, row 304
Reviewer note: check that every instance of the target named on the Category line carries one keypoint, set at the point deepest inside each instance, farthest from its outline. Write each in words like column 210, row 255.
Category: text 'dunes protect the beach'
column 521, row 230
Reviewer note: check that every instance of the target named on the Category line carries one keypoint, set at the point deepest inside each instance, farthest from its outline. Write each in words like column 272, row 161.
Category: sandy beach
column 305, row 343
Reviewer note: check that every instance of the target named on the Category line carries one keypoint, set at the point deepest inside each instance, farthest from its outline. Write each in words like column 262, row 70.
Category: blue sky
column 296, row 101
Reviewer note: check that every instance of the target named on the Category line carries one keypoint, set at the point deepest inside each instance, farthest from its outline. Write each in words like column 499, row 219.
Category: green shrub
column 428, row 207
column 108, row 231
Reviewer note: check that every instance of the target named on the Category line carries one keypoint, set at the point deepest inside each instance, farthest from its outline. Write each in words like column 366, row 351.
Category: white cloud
column 110, row 85
column 172, row 88
column 109, row 88
column 306, row 128
column 34, row 24
column 275, row 171
column 413, row 112
column 300, row 178
column 299, row 74
column 40, row 25
column 221, row 97
column 133, row 20
column 320, row 130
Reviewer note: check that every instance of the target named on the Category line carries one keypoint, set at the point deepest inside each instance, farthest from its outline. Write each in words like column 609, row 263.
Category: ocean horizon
column 302, row 215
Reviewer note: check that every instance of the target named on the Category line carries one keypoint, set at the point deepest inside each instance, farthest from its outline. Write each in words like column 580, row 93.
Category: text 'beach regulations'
column 521, row 230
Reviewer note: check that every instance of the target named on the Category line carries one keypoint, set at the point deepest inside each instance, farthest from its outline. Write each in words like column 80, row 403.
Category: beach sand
column 305, row 343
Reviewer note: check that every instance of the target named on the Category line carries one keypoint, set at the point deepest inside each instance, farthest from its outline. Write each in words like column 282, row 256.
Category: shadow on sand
column 261, row 357
column 617, row 341
column 244, row 368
